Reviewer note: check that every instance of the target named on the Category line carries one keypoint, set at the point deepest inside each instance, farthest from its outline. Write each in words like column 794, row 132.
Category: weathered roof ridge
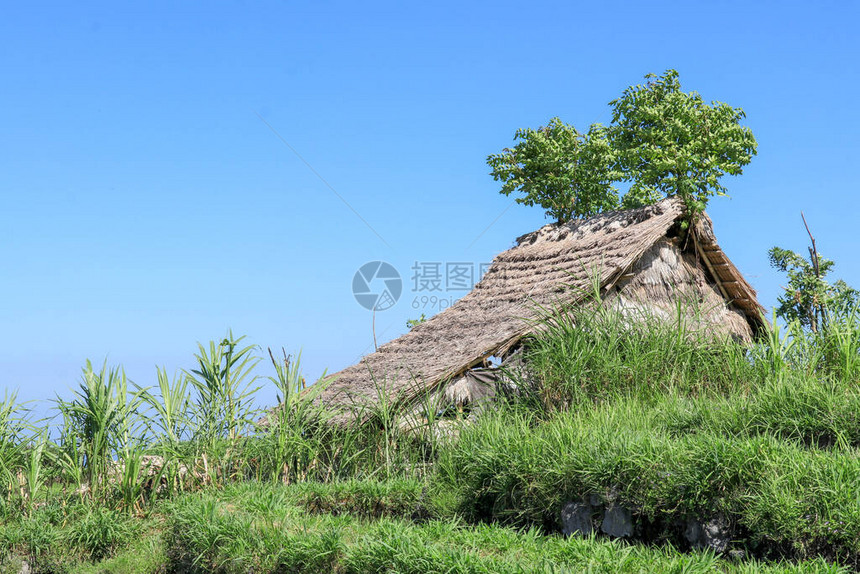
column 608, row 220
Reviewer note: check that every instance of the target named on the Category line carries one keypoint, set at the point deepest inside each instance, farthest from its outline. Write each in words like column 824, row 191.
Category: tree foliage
column 663, row 141
column 566, row 172
column 809, row 298
column 671, row 143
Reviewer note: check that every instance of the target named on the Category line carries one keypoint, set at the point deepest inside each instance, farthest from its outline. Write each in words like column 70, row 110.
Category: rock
column 576, row 519
column 737, row 554
column 714, row 534
column 617, row 522
column 693, row 533
column 717, row 534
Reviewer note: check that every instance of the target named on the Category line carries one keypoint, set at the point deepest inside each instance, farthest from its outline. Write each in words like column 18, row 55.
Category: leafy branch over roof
column 665, row 142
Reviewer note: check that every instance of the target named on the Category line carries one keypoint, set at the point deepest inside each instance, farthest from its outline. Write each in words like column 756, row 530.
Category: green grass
column 781, row 496
column 583, row 357
column 799, row 409
column 657, row 419
column 372, row 499
column 144, row 555
column 232, row 533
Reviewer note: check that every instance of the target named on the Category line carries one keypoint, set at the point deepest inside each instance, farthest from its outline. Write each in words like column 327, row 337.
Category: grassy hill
column 671, row 432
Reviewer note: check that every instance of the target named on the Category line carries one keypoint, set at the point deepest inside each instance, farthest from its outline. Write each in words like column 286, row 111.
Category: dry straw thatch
column 631, row 255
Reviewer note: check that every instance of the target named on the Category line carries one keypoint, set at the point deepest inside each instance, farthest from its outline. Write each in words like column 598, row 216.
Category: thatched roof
column 558, row 264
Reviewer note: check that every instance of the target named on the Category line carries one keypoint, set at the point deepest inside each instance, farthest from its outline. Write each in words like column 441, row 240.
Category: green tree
column 566, row 172
column 809, row 298
column 664, row 141
column 671, row 143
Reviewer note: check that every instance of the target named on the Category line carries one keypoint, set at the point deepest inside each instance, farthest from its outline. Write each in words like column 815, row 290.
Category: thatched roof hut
column 636, row 259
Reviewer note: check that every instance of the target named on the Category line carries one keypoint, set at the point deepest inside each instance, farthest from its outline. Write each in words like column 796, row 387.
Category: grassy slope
column 265, row 528
column 666, row 426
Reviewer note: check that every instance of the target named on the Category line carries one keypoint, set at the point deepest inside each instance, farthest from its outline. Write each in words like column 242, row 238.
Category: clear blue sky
column 147, row 205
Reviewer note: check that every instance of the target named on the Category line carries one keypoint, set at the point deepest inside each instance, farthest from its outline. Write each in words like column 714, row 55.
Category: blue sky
column 148, row 204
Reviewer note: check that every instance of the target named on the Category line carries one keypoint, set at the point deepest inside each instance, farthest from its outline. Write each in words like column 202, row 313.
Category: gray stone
column 714, row 534
column 717, row 534
column 693, row 533
column 576, row 519
column 617, row 522
column 737, row 554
